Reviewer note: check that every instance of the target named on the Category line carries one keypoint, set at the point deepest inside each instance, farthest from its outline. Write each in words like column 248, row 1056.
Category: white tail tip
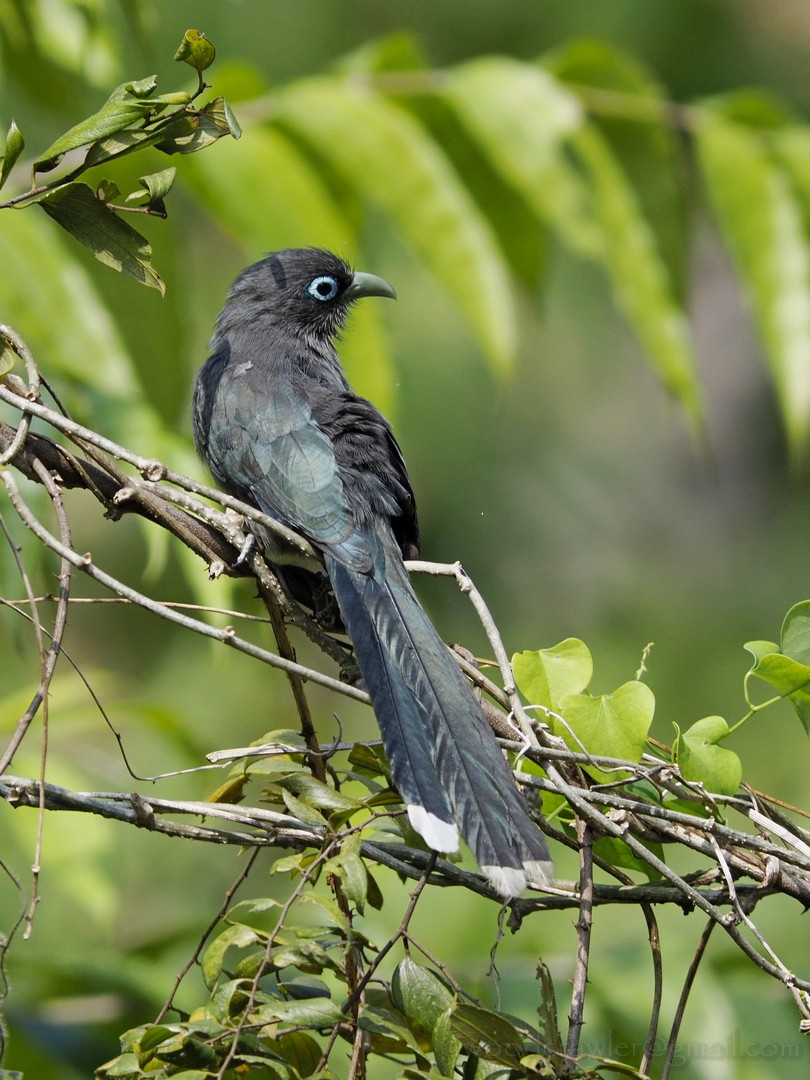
column 438, row 835
column 509, row 881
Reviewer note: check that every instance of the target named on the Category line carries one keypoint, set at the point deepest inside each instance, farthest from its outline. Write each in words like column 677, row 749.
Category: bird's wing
column 288, row 468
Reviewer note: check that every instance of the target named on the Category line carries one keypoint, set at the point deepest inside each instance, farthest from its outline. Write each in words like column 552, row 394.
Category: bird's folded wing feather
column 289, row 469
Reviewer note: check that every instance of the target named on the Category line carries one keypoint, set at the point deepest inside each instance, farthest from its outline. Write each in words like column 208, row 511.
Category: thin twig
column 583, row 927
column 672, row 1042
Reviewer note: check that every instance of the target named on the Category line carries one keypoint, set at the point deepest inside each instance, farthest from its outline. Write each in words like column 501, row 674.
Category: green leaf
column 107, row 190
column 791, row 148
column 420, row 995
column 486, row 1034
column 156, row 187
column 545, row 676
column 761, row 221
column 790, row 677
column 302, row 810
column 302, row 1052
column 759, row 649
column 112, row 241
column 129, row 103
column 614, row 851
column 296, row 206
column 351, row 870
column 195, row 131
column 15, row 144
column 398, row 51
column 613, row 725
column 796, row 632
column 8, row 358
column 384, row 1022
column 641, row 282
column 236, row 936
column 316, row 793
column 547, row 1010
column 123, row 1065
column 385, row 155
column 522, row 116
column 128, row 141
column 640, row 133
column 231, row 792
column 446, row 1046
column 701, row 760
column 196, row 50
column 308, row 956
column 309, row 1012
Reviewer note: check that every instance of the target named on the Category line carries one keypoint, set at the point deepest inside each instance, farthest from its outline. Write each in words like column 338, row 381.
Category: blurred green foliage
column 656, row 213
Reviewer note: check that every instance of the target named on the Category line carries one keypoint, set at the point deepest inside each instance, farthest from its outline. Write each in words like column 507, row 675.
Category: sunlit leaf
column 311, row 1012
column 545, row 676
column 787, row 666
column 522, row 116
column 196, row 50
column 8, row 358
column 641, row 284
column 317, row 793
column 389, row 159
column 760, row 217
column 231, row 792
column 796, row 632
column 610, row 725
column 385, row 1022
column 202, row 128
column 235, row 936
column 486, row 1034
column 156, row 187
column 15, row 144
column 301, row 1050
column 702, row 761
column 420, row 995
column 351, row 870
column 302, row 810
column 446, row 1046
column 126, row 142
column 129, row 103
column 399, row 51
column 112, row 241
column 295, row 207
column 631, row 109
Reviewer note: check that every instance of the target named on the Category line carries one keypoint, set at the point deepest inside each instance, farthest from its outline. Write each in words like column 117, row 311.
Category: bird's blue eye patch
column 324, row 287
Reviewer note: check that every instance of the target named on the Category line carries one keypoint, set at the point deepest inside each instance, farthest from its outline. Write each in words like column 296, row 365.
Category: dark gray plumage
column 280, row 428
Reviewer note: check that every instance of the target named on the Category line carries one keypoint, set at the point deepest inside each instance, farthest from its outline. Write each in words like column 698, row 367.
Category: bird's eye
column 323, row 288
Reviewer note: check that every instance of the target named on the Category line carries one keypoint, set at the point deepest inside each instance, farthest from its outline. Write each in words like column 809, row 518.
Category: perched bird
column 281, row 429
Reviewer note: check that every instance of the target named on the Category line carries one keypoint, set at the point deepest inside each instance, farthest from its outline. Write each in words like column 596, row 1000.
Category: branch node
column 154, row 471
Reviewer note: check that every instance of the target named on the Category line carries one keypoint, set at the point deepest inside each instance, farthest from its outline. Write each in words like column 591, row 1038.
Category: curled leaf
column 15, row 145
column 156, row 187
column 196, row 50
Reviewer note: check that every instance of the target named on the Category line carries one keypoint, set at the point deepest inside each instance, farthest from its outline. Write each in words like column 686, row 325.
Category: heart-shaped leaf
column 703, row 761
column 545, row 676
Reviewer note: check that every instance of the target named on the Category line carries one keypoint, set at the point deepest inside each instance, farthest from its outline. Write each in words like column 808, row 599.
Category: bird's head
column 306, row 290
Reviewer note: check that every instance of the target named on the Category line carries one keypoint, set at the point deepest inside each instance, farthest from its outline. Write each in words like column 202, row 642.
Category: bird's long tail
column 444, row 758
